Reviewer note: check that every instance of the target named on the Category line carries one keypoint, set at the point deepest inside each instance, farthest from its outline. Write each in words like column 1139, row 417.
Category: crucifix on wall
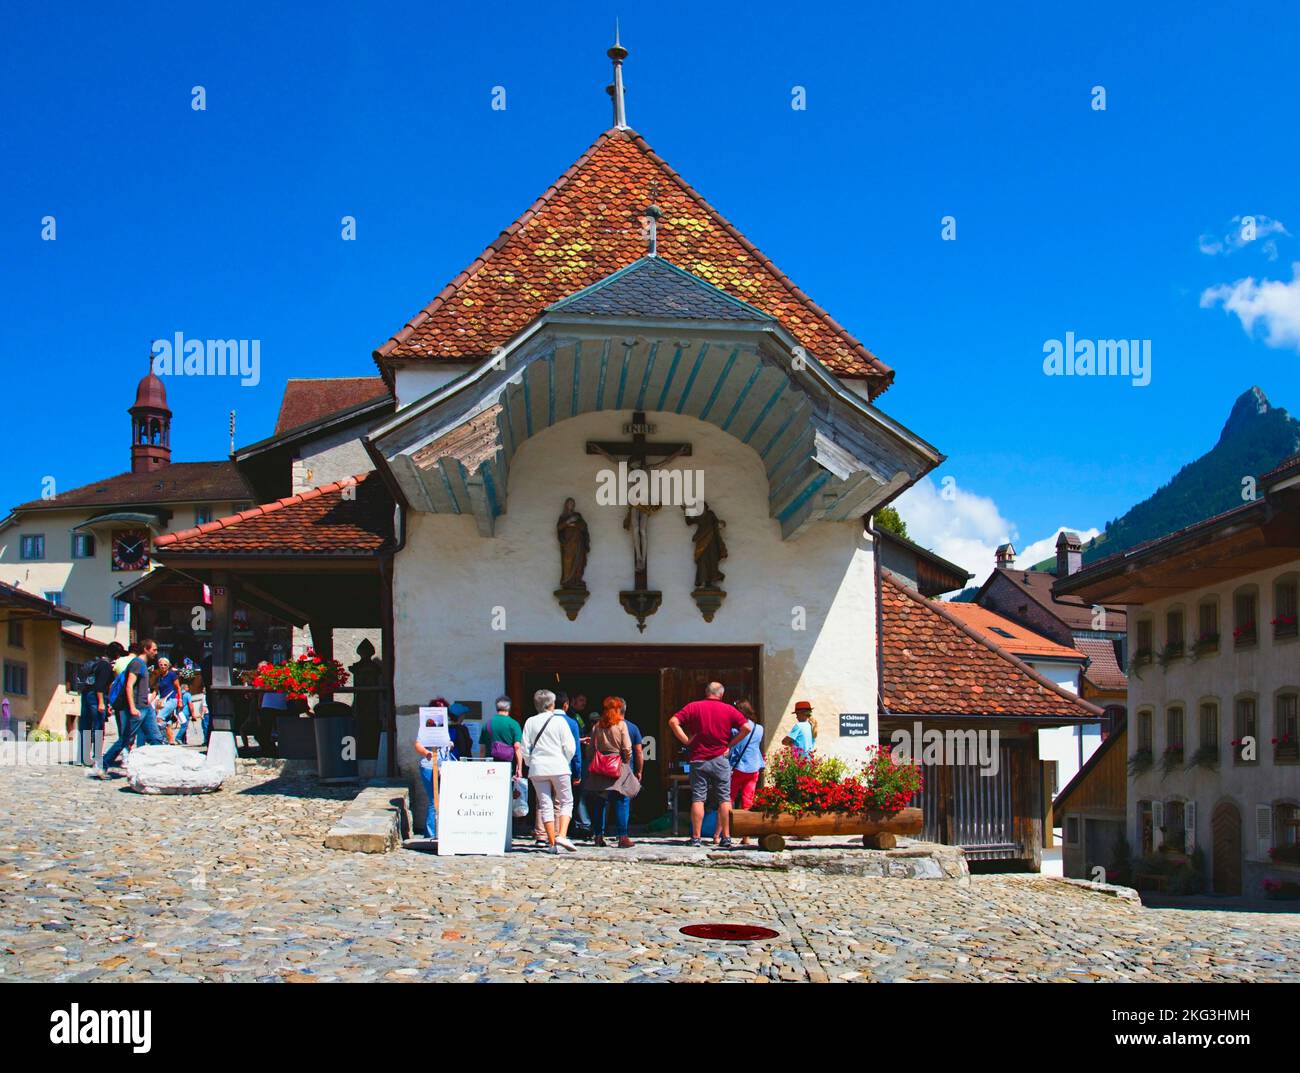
column 640, row 455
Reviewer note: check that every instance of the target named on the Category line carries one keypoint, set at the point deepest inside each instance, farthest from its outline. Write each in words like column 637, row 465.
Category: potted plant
column 1244, row 635
column 1142, row 657
column 810, row 795
column 1140, row 762
column 1172, row 651
column 1206, row 756
column 1206, row 642
column 1282, row 890
column 333, row 726
column 1284, row 626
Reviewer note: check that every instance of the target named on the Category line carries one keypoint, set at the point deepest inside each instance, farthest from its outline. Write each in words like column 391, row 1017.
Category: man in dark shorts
column 706, row 727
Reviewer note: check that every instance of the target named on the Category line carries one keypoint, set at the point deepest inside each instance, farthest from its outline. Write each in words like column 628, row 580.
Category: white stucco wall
column 330, row 458
column 1062, row 744
column 414, row 382
column 1262, row 671
column 450, row 583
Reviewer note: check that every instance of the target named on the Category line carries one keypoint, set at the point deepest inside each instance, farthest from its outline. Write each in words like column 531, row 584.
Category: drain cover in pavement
column 734, row 932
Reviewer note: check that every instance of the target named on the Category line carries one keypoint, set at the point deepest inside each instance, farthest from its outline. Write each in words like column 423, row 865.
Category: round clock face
column 131, row 549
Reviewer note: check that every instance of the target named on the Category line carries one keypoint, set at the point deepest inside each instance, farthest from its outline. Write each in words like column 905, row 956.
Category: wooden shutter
column 1263, row 829
column 1189, row 826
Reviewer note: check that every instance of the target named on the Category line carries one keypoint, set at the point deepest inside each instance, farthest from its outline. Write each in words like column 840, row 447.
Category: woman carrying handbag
column 610, row 783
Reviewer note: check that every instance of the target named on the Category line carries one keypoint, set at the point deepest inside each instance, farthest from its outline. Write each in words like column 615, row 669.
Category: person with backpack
column 94, row 678
column 130, row 693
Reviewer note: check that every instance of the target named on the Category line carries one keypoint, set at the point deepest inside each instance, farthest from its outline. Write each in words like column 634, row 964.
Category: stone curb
column 1110, row 890
column 376, row 821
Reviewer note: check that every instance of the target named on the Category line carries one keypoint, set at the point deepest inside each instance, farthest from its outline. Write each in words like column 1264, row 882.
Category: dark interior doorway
column 655, row 680
column 641, row 692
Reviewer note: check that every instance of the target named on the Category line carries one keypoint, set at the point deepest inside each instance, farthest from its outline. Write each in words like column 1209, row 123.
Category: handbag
column 627, row 784
column 518, row 797
column 502, row 752
column 741, row 751
column 607, row 764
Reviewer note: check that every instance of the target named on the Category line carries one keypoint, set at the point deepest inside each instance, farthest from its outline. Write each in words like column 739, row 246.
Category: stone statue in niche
column 709, row 548
column 575, row 544
column 709, row 553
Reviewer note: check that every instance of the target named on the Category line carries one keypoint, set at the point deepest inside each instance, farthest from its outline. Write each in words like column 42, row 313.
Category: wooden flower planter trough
column 878, row 829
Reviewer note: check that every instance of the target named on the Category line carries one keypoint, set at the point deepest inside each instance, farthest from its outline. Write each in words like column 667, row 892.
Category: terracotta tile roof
column 1104, row 670
column 935, row 664
column 15, row 599
column 586, row 226
column 1014, row 637
column 73, row 637
column 306, row 401
column 180, row 482
column 654, row 287
column 1074, row 612
column 320, row 522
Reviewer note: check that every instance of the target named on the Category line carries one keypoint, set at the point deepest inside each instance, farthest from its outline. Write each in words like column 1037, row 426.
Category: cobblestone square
column 99, row 883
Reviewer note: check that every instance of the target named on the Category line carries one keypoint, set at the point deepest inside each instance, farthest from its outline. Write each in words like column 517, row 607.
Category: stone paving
column 97, row 883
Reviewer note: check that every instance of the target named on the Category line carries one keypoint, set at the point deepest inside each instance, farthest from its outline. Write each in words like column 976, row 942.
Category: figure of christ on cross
column 637, row 454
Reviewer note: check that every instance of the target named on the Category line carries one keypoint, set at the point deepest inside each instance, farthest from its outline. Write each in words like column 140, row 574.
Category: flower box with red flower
column 810, row 795
column 1286, row 749
column 308, row 675
column 1244, row 635
column 1284, row 626
column 1206, row 643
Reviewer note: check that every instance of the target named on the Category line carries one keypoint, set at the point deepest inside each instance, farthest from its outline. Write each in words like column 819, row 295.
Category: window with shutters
column 1286, row 733
column 1284, row 608
column 1175, row 829
column 1245, row 630
column 1146, row 827
column 1245, row 741
column 15, row 678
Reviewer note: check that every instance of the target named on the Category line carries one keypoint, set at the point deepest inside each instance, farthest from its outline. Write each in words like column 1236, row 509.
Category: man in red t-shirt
column 706, row 727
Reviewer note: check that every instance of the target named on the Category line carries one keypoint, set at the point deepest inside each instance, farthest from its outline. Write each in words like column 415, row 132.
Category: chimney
column 1006, row 556
column 1069, row 554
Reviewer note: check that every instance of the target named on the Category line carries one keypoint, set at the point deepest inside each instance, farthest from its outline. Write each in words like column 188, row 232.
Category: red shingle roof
column 180, row 482
column 14, row 599
column 934, row 664
column 1021, row 642
column 1074, row 612
column 347, row 518
column 587, row 225
column 1104, row 671
column 307, row 401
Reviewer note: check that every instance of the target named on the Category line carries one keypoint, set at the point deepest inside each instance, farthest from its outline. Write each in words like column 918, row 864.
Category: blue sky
column 225, row 223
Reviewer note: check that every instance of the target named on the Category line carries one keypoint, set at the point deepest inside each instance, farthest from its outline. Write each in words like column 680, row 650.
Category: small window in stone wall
column 1284, row 606
column 1245, row 630
column 1207, row 627
column 1245, row 730
column 1144, row 731
column 1143, row 650
column 1286, row 740
column 15, row 633
column 1174, row 639
column 1072, row 830
column 1175, row 833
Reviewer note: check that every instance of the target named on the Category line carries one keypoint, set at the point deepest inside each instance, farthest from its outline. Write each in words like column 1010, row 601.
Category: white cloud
column 1242, row 231
column 1273, row 305
column 966, row 528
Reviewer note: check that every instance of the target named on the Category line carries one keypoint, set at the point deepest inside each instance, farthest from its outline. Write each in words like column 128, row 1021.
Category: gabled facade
column 1214, row 687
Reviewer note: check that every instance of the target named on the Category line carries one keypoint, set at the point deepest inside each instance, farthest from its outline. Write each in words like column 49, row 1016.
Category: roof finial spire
column 618, row 54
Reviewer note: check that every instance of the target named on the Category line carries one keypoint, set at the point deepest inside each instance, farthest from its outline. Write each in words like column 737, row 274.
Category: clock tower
column 151, row 420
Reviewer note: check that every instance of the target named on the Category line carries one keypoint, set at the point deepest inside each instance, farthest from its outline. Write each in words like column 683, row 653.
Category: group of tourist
column 151, row 701
column 593, row 764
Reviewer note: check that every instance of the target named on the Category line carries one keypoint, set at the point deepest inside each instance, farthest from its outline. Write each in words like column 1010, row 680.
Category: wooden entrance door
column 1225, row 829
column 678, row 686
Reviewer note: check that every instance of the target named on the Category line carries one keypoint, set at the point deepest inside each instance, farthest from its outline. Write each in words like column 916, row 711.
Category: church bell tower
column 151, row 425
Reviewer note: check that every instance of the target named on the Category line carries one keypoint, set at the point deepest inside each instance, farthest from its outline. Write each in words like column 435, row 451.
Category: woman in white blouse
column 548, row 748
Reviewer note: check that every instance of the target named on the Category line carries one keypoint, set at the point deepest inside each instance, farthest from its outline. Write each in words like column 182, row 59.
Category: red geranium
column 298, row 679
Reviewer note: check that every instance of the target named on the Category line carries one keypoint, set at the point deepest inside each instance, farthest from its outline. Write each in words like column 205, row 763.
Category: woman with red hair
column 609, row 782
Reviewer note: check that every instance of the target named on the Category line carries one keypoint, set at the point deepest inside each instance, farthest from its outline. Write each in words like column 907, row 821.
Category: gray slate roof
column 653, row 288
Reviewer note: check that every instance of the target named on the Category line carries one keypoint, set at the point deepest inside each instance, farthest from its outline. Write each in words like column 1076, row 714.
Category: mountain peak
column 1249, row 405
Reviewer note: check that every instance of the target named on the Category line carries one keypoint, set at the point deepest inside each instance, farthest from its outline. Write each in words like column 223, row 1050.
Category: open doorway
column 655, row 680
